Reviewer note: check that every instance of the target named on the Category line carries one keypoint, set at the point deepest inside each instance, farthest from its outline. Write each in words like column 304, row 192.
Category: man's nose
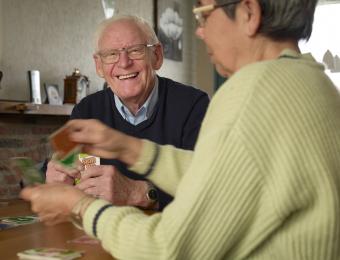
column 124, row 60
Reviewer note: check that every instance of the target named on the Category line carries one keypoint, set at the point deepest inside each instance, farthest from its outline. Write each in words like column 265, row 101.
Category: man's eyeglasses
column 202, row 12
column 134, row 52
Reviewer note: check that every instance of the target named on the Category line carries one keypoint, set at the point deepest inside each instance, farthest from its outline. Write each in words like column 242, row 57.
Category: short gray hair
column 140, row 22
column 282, row 20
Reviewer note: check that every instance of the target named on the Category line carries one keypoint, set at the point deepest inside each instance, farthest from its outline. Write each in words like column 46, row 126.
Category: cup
column 34, row 85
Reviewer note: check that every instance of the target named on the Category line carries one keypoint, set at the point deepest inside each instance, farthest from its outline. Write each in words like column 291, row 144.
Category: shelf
column 10, row 107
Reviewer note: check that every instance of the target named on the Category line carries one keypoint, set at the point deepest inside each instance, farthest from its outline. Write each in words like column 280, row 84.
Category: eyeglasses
column 134, row 52
column 202, row 12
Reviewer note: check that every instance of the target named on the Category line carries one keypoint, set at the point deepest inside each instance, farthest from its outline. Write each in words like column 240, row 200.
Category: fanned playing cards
column 25, row 168
column 9, row 222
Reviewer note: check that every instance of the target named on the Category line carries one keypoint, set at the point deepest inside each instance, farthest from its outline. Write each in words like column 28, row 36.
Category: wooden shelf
column 11, row 107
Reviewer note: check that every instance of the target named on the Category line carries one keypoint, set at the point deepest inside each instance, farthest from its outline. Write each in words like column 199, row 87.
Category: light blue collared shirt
column 144, row 112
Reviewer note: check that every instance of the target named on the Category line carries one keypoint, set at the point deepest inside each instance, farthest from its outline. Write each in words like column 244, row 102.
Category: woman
column 263, row 181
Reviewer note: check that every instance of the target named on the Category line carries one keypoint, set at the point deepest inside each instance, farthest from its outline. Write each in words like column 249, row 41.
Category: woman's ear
column 251, row 16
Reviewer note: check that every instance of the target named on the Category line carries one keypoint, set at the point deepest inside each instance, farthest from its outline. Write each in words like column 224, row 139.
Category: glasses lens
column 109, row 57
column 136, row 51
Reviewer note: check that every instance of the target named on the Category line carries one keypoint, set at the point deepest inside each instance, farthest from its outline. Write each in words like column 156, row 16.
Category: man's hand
column 56, row 173
column 52, row 202
column 108, row 183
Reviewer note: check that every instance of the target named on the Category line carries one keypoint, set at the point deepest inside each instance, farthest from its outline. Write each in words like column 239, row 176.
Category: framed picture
column 170, row 28
column 52, row 94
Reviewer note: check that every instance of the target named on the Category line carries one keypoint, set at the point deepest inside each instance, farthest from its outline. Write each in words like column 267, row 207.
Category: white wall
column 51, row 36
column 56, row 36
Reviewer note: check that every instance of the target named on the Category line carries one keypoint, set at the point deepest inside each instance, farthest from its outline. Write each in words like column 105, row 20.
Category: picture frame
column 52, row 94
column 169, row 26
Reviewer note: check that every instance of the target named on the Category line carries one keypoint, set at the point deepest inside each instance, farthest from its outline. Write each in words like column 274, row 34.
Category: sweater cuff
column 91, row 219
column 145, row 158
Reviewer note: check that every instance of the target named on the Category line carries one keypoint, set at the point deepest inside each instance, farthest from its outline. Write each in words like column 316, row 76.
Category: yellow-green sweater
column 262, row 183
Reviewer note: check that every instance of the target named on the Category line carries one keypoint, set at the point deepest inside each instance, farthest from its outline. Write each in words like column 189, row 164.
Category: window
column 324, row 43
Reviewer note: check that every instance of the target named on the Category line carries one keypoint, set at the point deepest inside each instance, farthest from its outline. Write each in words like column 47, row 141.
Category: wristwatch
column 152, row 193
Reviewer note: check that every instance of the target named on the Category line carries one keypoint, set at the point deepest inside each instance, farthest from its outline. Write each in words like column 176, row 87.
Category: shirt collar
column 144, row 112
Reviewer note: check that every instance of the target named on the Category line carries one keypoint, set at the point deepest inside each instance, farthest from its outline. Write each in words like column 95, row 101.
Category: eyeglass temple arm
column 202, row 9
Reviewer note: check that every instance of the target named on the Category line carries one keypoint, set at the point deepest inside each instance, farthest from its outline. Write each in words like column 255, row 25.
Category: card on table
column 66, row 151
column 49, row 253
column 26, row 169
column 9, row 222
column 4, row 226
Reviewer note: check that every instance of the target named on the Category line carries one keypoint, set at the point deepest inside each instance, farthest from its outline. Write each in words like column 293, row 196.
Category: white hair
column 140, row 22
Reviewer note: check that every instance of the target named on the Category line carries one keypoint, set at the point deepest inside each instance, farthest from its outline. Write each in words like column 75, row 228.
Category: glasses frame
column 126, row 49
column 199, row 11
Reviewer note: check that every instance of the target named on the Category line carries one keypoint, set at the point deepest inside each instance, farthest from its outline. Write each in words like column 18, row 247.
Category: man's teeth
column 132, row 75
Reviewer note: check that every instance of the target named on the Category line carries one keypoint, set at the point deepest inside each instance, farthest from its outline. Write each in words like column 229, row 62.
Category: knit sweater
column 262, row 183
column 176, row 120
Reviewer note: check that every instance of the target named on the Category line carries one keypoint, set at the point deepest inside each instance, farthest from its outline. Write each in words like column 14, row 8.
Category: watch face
column 152, row 194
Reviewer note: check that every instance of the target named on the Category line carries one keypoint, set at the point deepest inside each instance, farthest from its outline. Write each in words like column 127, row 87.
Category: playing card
column 87, row 161
column 66, row 151
column 61, row 143
column 9, row 222
column 84, row 240
column 4, row 226
column 49, row 254
column 25, row 168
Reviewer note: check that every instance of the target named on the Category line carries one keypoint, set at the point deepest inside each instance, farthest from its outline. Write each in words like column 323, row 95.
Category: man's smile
column 128, row 76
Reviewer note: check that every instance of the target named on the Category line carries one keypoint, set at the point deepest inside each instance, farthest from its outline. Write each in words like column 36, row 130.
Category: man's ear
column 99, row 66
column 250, row 11
column 157, row 57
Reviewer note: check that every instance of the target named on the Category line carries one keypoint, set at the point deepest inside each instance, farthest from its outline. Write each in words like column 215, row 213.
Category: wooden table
column 17, row 239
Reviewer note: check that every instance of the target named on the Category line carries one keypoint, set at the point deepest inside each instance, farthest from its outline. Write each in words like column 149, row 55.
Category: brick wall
column 23, row 136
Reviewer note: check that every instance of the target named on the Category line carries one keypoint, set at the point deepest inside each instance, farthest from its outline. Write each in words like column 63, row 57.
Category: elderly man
column 264, row 179
column 137, row 102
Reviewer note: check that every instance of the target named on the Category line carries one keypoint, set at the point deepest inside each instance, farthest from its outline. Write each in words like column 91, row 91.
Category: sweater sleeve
column 197, row 216
column 176, row 160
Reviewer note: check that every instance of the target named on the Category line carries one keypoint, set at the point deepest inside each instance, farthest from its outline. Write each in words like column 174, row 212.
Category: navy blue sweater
column 176, row 120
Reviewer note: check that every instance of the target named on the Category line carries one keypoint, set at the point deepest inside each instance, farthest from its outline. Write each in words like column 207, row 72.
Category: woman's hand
column 52, row 202
column 100, row 140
